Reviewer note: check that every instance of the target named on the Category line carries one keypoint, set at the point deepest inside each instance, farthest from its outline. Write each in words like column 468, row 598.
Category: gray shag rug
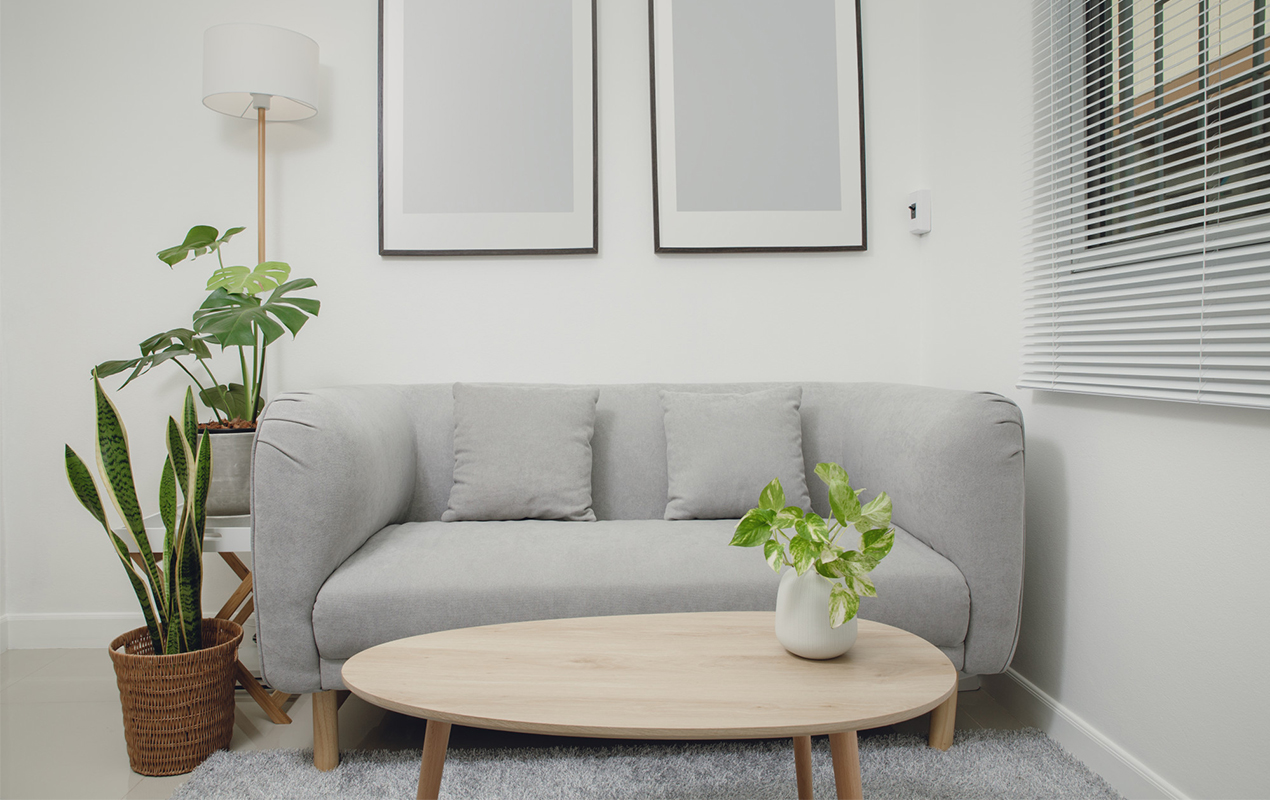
column 980, row 764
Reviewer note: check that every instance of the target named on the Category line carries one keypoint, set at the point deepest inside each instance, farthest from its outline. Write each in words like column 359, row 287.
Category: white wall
column 110, row 156
column 1145, row 612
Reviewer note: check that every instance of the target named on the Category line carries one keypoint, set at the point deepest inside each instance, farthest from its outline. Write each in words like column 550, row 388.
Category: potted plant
column 235, row 314
column 176, row 673
column 820, row 592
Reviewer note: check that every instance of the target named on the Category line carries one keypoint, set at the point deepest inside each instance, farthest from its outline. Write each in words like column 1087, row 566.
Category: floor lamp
column 257, row 70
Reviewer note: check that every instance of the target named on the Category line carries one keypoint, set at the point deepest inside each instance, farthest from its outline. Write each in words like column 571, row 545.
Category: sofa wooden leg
column 326, row 730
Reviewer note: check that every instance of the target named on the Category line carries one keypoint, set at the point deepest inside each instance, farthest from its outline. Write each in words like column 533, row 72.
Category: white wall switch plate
column 919, row 212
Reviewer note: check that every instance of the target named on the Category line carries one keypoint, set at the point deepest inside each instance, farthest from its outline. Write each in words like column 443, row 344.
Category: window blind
column 1148, row 243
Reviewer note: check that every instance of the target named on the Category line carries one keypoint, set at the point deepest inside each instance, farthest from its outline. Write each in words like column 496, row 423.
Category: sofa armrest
column 952, row 462
column 330, row 468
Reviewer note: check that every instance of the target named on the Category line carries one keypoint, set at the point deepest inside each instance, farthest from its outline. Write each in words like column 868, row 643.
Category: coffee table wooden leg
column 845, row 748
column 436, row 739
column 943, row 719
column 802, row 766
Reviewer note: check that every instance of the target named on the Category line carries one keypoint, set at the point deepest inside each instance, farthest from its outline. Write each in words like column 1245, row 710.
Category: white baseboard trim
column 1032, row 706
column 83, row 630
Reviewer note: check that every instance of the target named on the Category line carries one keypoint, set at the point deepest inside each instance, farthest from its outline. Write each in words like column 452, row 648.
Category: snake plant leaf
column 774, row 553
column 190, row 563
column 804, row 552
column 243, row 280
column 189, row 418
column 875, row 514
column 167, row 512
column 754, row 528
column 153, row 626
column 178, row 457
column 167, row 498
column 843, row 605
column 85, row 489
column 84, row 486
column 772, row 496
column 200, row 239
column 113, row 462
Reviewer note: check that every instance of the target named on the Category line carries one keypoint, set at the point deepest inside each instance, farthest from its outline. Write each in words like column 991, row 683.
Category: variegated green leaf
column 816, row 527
column 862, row 585
column 774, row 552
column 803, row 551
column 878, row 543
column 843, row 605
column 139, row 587
column 875, row 514
column 831, row 474
column 844, row 503
column 754, row 528
column 772, row 496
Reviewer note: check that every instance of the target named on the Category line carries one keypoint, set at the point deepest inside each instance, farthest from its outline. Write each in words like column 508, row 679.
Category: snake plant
column 170, row 597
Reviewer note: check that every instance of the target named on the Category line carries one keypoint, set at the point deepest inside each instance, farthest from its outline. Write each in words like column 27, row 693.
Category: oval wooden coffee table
column 658, row 676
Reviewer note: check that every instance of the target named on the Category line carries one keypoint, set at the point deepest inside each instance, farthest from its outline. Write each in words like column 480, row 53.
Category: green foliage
column 169, row 601
column 233, row 315
column 813, row 544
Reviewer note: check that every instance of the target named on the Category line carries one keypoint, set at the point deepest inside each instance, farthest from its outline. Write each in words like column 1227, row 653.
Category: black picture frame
column 758, row 231
column 495, row 233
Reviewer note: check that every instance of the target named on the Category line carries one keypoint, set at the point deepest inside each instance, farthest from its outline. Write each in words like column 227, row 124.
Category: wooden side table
column 227, row 537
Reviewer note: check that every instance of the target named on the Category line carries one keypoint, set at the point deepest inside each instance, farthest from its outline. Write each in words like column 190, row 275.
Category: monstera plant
column 247, row 308
column 170, row 596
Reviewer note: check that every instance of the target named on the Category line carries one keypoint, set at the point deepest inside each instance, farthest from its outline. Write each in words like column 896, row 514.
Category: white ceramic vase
column 802, row 617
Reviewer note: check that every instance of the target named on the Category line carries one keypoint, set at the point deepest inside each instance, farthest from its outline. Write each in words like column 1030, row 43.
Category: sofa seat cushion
column 421, row 577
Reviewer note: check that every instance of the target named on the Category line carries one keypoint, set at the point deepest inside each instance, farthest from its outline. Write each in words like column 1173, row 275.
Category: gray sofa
column 349, row 485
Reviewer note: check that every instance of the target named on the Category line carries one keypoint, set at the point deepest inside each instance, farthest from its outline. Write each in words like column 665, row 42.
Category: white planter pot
column 802, row 617
column 230, row 492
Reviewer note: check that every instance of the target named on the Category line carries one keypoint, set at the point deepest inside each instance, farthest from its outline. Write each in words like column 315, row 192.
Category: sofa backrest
column 629, row 446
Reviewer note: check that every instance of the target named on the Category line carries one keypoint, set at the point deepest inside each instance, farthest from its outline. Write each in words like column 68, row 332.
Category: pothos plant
column 235, row 314
column 170, row 596
column 813, row 543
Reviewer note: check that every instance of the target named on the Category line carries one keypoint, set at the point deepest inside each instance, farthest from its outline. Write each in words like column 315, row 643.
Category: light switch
column 919, row 212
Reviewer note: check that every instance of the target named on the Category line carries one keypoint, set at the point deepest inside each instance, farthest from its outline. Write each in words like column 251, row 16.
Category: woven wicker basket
column 179, row 709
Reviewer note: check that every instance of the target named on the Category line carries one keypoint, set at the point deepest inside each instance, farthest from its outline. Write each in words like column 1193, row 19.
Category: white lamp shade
column 242, row 59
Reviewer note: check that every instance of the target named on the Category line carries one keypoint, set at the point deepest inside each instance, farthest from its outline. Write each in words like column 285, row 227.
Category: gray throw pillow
column 722, row 449
column 522, row 452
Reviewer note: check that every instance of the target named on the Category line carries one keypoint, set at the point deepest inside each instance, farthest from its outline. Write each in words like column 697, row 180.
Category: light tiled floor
column 61, row 730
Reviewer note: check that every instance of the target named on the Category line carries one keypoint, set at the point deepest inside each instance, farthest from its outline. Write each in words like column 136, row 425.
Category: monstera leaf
column 233, row 319
column 200, row 239
column 241, row 280
column 156, row 350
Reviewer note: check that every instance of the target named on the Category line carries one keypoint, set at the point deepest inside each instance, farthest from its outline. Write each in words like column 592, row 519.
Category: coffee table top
column 718, row 675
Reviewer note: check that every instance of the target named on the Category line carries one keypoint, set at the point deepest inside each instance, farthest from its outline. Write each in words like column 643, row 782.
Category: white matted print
column 758, row 125
column 487, row 127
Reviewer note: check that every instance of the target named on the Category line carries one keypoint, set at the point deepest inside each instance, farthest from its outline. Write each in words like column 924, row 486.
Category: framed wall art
column 487, row 127
column 758, row 125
